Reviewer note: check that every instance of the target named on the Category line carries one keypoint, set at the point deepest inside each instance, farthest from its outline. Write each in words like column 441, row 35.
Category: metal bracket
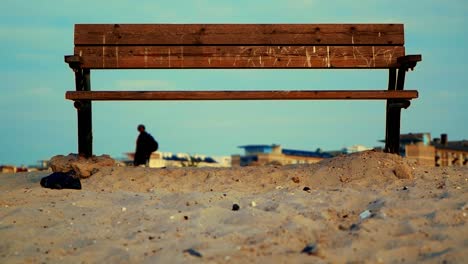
column 74, row 62
column 409, row 61
column 399, row 104
column 78, row 105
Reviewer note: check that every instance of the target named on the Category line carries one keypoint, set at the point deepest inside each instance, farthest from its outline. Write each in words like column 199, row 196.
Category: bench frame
column 395, row 96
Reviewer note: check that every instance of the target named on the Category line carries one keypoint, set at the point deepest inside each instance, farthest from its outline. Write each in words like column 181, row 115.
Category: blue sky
column 37, row 122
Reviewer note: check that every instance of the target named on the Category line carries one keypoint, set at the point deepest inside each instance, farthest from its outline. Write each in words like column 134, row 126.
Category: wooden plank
column 179, row 57
column 239, row 34
column 241, row 95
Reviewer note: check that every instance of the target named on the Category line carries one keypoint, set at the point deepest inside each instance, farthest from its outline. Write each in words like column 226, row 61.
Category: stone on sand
column 82, row 166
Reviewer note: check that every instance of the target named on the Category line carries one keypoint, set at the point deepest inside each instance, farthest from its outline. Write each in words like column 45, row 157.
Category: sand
column 367, row 207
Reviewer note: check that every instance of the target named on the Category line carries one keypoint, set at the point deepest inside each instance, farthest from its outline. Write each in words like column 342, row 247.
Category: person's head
column 141, row 128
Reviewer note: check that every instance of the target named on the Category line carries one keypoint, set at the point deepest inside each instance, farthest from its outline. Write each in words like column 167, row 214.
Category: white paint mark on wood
column 235, row 60
column 308, row 57
column 250, row 61
column 352, row 39
column 117, row 55
column 314, row 50
column 289, row 61
column 390, row 56
column 169, row 56
column 380, row 35
column 146, row 57
column 373, row 55
column 328, row 57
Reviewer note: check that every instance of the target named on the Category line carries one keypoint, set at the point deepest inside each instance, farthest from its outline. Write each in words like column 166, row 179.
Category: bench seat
column 241, row 95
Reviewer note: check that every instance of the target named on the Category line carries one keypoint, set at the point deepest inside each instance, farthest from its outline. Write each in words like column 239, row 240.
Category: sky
column 36, row 122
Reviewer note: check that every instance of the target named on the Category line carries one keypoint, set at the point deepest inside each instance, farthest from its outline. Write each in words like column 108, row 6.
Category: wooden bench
column 241, row 46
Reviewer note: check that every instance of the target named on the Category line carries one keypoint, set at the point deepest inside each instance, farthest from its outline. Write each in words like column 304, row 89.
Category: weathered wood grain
column 241, row 95
column 239, row 34
column 177, row 57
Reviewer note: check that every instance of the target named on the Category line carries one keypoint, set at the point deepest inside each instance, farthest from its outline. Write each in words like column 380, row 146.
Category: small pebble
column 253, row 204
column 306, row 189
column 124, row 209
column 193, row 252
column 366, row 214
column 405, row 188
column 354, row 227
column 171, row 217
column 235, row 207
column 310, row 249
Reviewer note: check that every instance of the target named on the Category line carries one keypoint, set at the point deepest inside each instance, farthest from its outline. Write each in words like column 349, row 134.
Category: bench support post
column 392, row 117
column 392, row 131
column 83, row 107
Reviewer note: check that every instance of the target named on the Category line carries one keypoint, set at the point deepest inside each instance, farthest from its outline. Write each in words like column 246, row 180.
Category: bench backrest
column 195, row 46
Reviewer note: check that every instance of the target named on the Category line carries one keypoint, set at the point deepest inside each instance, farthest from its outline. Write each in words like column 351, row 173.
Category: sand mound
column 364, row 168
column 360, row 170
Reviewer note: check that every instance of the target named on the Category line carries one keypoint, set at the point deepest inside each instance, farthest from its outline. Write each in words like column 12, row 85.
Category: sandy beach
column 366, row 207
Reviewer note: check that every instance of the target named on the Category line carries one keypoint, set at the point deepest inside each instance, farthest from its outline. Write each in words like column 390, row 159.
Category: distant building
column 7, row 169
column 417, row 147
column 274, row 154
column 437, row 152
column 450, row 153
column 43, row 165
column 355, row 148
column 167, row 159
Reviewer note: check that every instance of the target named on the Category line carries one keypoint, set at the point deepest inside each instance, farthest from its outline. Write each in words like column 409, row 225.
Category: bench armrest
column 409, row 61
column 73, row 61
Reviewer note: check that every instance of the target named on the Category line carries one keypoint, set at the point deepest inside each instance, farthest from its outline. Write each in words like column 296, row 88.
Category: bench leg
column 392, row 124
column 83, row 107
column 392, row 138
column 392, row 131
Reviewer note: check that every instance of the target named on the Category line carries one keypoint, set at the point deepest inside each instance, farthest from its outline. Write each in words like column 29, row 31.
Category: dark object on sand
column 405, row 188
column 306, row 189
column 61, row 180
column 235, row 207
column 193, row 252
column 310, row 249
